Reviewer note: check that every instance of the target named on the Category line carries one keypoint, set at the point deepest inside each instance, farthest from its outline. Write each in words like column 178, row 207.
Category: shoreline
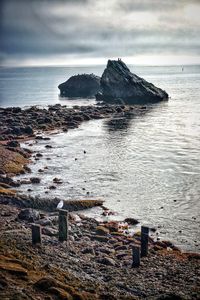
column 93, row 253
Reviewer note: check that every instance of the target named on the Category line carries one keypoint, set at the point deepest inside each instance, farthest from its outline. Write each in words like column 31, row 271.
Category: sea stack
column 119, row 85
column 84, row 85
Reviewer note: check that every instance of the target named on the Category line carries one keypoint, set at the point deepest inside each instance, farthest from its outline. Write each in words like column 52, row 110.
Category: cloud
column 95, row 28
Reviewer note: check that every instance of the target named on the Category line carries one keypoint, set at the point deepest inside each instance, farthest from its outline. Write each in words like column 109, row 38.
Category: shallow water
column 147, row 167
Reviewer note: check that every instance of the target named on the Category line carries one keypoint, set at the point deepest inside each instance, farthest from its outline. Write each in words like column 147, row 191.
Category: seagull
column 60, row 204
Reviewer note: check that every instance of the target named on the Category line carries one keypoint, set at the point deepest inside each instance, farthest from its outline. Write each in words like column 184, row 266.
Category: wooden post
column 136, row 256
column 63, row 225
column 36, row 234
column 144, row 240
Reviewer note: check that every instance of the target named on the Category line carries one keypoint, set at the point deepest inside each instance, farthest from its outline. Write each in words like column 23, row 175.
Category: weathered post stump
column 144, row 240
column 136, row 256
column 36, row 234
column 63, row 225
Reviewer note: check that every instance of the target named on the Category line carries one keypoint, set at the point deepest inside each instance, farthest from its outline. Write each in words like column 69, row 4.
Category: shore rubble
column 96, row 261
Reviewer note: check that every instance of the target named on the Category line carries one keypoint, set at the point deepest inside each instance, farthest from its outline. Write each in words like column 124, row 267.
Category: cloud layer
column 53, row 29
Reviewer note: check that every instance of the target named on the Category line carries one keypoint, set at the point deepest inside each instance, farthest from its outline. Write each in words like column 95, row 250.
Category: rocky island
column 117, row 85
column 84, row 85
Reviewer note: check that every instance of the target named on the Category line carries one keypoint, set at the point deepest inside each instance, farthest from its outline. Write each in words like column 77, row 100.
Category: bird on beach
column 60, row 204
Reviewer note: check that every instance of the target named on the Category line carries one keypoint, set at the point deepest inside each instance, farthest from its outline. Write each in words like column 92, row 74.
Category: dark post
column 144, row 240
column 36, row 234
column 136, row 256
column 63, row 225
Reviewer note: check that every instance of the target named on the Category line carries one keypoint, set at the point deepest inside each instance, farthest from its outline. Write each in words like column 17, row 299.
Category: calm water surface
column 144, row 167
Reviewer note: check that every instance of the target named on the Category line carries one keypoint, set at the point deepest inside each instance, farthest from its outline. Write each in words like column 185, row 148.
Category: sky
column 78, row 32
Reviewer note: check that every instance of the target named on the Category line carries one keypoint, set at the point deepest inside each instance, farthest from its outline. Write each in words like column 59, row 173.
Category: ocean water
column 146, row 167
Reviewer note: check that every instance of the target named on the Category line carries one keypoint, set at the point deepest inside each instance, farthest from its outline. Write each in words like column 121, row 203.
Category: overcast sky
column 34, row 32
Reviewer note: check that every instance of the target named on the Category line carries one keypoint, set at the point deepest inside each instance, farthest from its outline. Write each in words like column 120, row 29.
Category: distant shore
column 96, row 261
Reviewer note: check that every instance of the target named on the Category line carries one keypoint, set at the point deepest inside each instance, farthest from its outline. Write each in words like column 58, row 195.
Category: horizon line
column 95, row 65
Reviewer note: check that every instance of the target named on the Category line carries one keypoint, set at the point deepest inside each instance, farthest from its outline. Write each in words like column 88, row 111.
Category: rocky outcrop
column 119, row 85
column 85, row 85
column 11, row 162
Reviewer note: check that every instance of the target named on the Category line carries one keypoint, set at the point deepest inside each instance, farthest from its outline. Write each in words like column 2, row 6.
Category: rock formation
column 119, row 85
column 84, row 85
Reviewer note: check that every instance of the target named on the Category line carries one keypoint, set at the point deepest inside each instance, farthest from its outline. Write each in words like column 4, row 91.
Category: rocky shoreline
column 17, row 123
column 96, row 261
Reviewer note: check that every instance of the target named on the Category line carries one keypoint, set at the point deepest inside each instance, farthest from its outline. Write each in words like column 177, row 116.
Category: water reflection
column 123, row 123
column 118, row 124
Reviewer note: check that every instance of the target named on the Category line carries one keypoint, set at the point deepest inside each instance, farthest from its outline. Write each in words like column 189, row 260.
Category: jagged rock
column 119, row 85
column 84, row 85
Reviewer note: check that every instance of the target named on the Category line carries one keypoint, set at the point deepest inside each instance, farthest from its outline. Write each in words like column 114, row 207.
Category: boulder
column 84, row 85
column 119, row 85
column 29, row 214
column 131, row 221
column 13, row 144
column 101, row 230
column 35, row 180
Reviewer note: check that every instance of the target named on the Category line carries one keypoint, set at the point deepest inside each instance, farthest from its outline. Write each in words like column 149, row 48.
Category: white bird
column 60, row 204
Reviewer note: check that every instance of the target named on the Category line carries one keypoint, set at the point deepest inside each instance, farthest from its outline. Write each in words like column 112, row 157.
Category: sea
column 146, row 167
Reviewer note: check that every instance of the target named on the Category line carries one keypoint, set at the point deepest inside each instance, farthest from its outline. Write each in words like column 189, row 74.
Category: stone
column 131, row 221
column 112, row 226
column 49, row 231
column 121, row 247
column 35, row 180
column 99, row 238
column 106, row 261
column 52, row 187
column 84, row 85
column 13, row 144
column 29, row 214
column 25, row 181
column 45, row 283
column 170, row 296
column 60, row 293
column 107, row 251
column 121, row 255
column 100, row 230
column 88, row 251
column 16, row 110
column 57, row 180
column 28, row 130
column 119, row 85
column 45, row 222
column 9, row 181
